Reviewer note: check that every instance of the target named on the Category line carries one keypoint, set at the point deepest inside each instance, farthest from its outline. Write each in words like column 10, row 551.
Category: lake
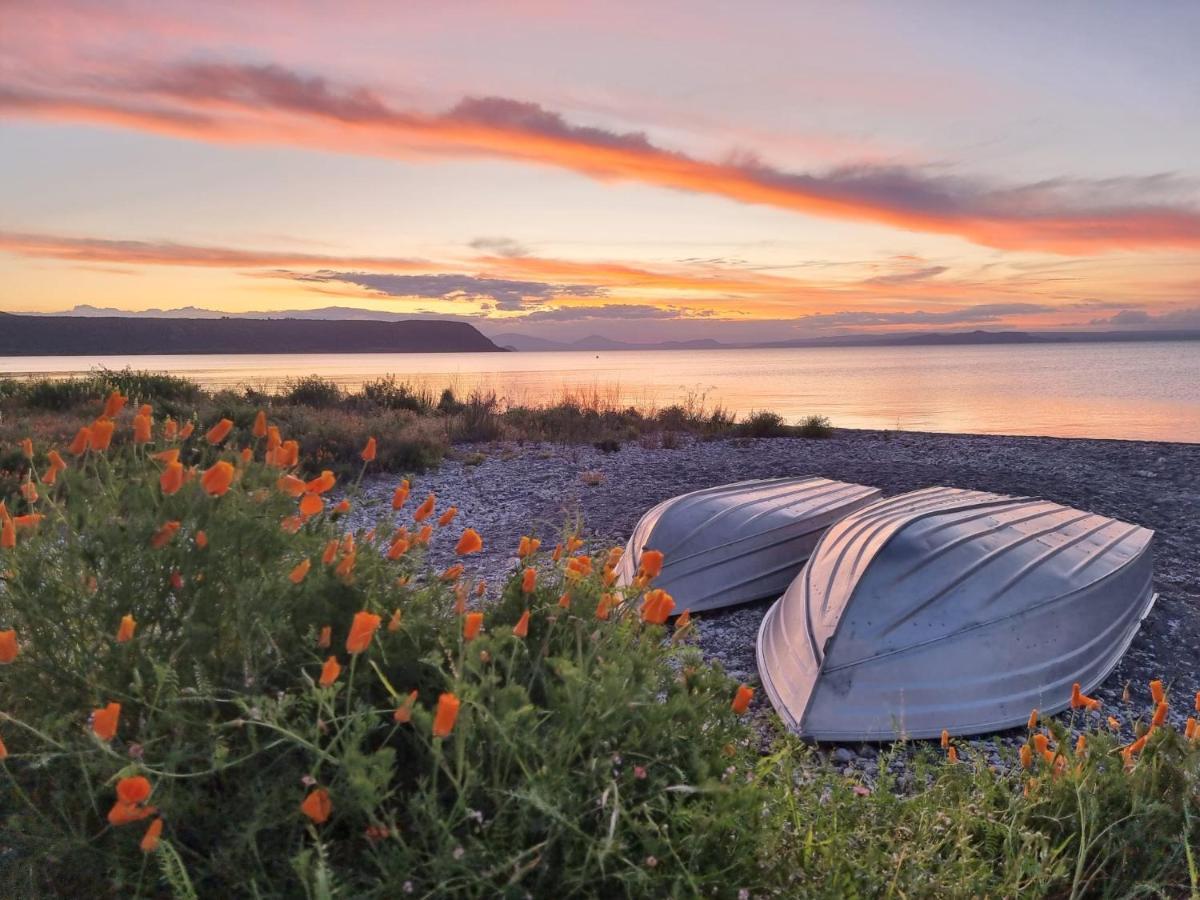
column 1141, row 391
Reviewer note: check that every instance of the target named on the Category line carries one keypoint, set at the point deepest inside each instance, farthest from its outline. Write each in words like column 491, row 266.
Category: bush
column 815, row 427
column 562, row 775
column 388, row 393
column 312, row 390
column 763, row 425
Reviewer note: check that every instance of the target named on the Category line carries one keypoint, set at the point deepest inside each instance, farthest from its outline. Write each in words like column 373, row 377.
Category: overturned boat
column 738, row 542
column 954, row 609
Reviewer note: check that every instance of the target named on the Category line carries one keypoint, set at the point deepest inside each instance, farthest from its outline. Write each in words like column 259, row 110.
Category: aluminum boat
column 738, row 542
column 954, row 609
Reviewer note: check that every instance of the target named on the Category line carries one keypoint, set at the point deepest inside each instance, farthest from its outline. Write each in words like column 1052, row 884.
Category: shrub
column 815, row 427
column 563, row 773
column 388, row 393
column 763, row 425
column 312, row 390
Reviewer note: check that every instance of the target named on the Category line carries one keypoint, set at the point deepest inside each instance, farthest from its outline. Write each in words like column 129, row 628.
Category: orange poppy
column 448, row 516
column 1156, row 691
column 342, row 508
column 651, row 563
column 105, row 721
column 125, row 813
column 9, row 648
column 579, row 567
column 219, row 432
column 28, row 522
column 393, row 624
column 1081, row 745
column 1114, row 723
column 150, row 839
column 400, row 497
column 403, row 713
column 142, row 430
column 330, row 672
column 574, row 543
column 135, row 789
column 398, row 548
column 1026, row 757
column 345, row 569
column 325, row 637
column 126, row 629
column 471, row 625
column 247, row 455
column 684, row 620
column 101, row 434
column 446, row 715
column 274, row 438
column 453, row 572
column 952, row 755
column 564, row 600
column 945, row 738
column 300, row 572
column 741, row 699
column 369, row 452
column 1033, row 720
column 260, row 425
column 657, row 607
column 56, row 460
column 170, row 429
column 310, row 505
column 113, row 405
column 425, row 510
column 528, row 546
column 27, row 448
column 362, row 629
column 558, row 552
column 8, row 535
column 604, row 607
column 3, row 750
column 470, row 542
column 330, row 553
column 317, row 806
column 322, row 483
column 521, row 629
column 217, row 479
column 424, row 534
column 29, row 491
column 529, row 580
column 83, row 440
column 292, row 524
column 187, row 430
column 167, row 456
column 171, row 479
column 1160, row 715
column 165, row 534
column 1189, row 731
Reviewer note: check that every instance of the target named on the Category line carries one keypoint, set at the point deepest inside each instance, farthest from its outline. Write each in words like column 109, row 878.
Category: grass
column 565, row 743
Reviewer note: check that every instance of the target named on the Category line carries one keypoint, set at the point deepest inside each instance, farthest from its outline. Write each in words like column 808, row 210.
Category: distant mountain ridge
column 126, row 336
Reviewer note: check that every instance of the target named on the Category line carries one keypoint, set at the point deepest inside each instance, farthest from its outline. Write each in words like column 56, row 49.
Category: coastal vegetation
column 209, row 685
column 416, row 425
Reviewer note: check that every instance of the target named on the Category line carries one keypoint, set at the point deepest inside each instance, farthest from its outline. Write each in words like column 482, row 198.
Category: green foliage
column 815, row 427
column 312, row 390
column 763, row 425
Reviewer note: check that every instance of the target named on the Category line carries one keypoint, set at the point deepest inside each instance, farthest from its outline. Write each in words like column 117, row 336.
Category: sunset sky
column 738, row 171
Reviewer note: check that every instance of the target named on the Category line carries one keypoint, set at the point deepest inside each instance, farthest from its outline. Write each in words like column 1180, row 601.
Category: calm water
column 1135, row 391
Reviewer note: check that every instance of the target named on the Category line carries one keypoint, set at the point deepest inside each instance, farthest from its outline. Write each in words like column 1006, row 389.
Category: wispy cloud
column 507, row 294
column 270, row 104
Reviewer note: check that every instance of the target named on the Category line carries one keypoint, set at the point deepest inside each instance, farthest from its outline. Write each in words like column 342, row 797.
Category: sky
column 663, row 171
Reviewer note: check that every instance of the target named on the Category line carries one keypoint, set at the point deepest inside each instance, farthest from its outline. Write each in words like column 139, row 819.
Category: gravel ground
column 508, row 490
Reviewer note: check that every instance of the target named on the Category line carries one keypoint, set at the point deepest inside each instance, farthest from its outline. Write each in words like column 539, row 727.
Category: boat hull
column 956, row 610
column 738, row 542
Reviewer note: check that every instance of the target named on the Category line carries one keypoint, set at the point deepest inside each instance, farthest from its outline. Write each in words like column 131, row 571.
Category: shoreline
column 505, row 490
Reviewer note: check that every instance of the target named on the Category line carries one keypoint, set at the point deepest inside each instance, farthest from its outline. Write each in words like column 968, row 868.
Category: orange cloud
column 272, row 105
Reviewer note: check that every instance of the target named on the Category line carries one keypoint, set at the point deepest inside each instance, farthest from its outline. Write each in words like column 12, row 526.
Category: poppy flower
column 425, row 510
column 403, row 713
column 317, row 806
column 481, row 588
column 105, row 721
column 1081, row 745
column 945, row 738
column 9, row 648
column 651, row 563
column 1026, row 757
column 142, row 430
column 345, row 569
column 322, row 483
column 167, row 456
column 1033, row 720
column 610, row 576
column 274, row 438
column 453, row 572
column 187, row 430
column 564, row 600
column 1041, row 743
column 135, row 789
column 342, row 508
column 1156, row 691
column 347, row 544
column 400, row 497
column 101, row 435
column 330, row 671
column 219, row 432
column 741, row 699
column 165, row 534
column 126, row 629
column 325, row 637
column 574, row 543
column 300, row 572
column 657, row 607
column 369, row 452
column 528, row 580
column 470, row 542
column 558, row 552
column 27, row 448
column 3, row 750
column 201, row 539
column 330, row 553
column 247, row 456
column 521, row 629
column 579, row 567
column 604, row 607
column 176, row 580
column 29, row 491
column 113, row 405
column 446, row 715
column 310, row 505
column 1114, row 723
column 150, row 839
column 170, row 429
column 171, row 479
column 126, row 813
column 528, row 546
column 83, row 440
column 393, row 624
column 1077, row 701
column 684, row 620
column 28, row 522
column 362, row 629
column 471, row 625
column 424, row 534
column 260, row 425
column 1189, row 731
column 217, row 479
column 56, row 460
column 952, row 755
column 8, row 535
column 1160, row 715
column 398, row 548
column 448, row 516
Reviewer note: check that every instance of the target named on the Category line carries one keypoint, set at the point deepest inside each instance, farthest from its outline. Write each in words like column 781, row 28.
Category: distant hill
column 527, row 343
column 85, row 336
